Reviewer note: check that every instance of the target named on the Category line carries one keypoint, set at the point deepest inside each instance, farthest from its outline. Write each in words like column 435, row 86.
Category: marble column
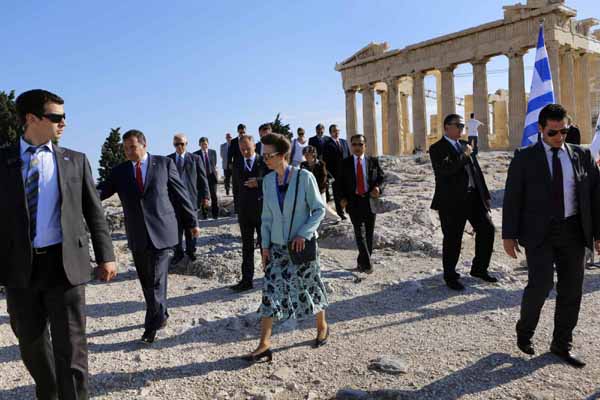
column 583, row 97
column 439, row 126
column 351, row 117
column 553, row 49
column 369, row 119
column 385, row 148
column 418, row 113
column 516, row 102
column 406, row 142
column 480, row 101
column 393, row 117
column 448, row 97
column 567, row 81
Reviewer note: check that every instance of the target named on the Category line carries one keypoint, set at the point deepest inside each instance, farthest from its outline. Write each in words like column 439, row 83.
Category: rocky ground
column 396, row 334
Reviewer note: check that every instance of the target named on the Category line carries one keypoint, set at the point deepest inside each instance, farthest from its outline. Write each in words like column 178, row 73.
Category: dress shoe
column 455, row 285
column 176, row 258
column 191, row 256
column 484, row 276
column 368, row 270
column 149, row 336
column 526, row 346
column 568, row 357
column 322, row 342
column 242, row 286
column 252, row 358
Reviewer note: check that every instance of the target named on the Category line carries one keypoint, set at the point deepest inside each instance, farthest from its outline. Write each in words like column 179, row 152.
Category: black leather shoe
column 252, row 358
column 455, row 285
column 149, row 336
column 176, row 259
column 568, row 357
column 191, row 256
column 242, row 286
column 484, row 276
column 526, row 346
column 322, row 342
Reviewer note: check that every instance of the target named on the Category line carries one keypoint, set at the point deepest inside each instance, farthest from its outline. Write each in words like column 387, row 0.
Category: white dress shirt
column 364, row 168
column 454, row 144
column 48, row 230
column 144, row 167
column 568, row 178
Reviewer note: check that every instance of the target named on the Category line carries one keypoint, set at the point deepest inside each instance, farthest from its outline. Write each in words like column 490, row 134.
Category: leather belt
column 38, row 251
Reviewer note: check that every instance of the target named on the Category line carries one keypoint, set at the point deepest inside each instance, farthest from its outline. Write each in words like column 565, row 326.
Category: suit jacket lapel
column 149, row 172
column 541, row 155
column 62, row 165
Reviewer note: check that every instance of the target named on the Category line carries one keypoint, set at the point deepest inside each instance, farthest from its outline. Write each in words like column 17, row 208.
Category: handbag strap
column 295, row 200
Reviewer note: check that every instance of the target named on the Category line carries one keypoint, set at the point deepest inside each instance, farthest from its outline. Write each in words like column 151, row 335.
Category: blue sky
column 202, row 67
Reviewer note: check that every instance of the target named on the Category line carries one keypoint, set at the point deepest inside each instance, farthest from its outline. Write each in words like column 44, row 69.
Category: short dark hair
column 309, row 149
column 553, row 112
column 451, row 118
column 332, row 127
column 301, row 130
column 241, row 126
column 266, row 125
column 249, row 138
column 34, row 102
column 472, row 115
column 203, row 139
column 319, row 126
column 358, row 136
column 280, row 142
column 135, row 133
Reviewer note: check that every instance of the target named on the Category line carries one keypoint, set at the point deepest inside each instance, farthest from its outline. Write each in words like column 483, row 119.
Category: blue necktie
column 32, row 188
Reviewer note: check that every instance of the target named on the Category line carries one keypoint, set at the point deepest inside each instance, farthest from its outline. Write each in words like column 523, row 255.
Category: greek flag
column 595, row 146
column 541, row 93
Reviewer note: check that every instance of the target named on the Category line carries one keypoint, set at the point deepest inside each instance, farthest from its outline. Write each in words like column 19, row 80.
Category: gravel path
column 451, row 345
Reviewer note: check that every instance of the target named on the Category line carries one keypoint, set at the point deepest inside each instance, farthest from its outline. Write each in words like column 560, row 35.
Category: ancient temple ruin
column 397, row 76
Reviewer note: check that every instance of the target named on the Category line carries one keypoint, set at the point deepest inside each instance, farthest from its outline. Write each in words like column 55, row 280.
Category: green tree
column 112, row 154
column 279, row 127
column 10, row 128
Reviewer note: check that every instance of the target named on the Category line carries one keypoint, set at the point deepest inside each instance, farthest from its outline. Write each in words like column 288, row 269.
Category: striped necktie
column 32, row 188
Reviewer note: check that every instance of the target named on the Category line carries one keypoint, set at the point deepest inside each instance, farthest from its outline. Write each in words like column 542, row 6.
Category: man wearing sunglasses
column 461, row 195
column 193, row 175
column 360, row 177
column 552, row 208
column 48, row 193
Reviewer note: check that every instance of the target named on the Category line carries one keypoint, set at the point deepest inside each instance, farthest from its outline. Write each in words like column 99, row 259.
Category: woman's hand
column 266, row 256
column 298, row 243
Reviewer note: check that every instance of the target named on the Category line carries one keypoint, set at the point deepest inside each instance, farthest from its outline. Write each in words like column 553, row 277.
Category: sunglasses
column 55, row 118
column 358, row 144
column 552, row 132
column 458, row 125
column 178, row 144
column 268, row 156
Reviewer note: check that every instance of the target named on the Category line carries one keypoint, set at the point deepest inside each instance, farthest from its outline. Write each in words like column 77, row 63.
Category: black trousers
column 227, row 180
column 453, row 225
column 363, row 221
column 190, row 241
column 214, row 200
column 235, row 181
column 564, row 249
column 152, row 267
column 474, row 142
column 249, row 225
column 337, row 198
column 59, row 366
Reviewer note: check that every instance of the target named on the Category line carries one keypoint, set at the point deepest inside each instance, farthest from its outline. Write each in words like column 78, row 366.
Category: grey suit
column 226, row 170
column 151, row 225
column 50, row 287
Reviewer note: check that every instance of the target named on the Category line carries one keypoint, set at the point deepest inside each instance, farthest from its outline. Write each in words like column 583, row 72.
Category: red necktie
column 138, row 176
column 360, row 179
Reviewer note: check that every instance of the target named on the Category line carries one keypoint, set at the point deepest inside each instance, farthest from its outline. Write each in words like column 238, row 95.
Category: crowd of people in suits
column 551, row 208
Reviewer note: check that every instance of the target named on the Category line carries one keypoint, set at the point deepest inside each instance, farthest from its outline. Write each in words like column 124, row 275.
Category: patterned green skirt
column 289, row 290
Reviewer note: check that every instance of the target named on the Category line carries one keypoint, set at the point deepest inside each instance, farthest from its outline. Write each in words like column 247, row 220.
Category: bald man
column 193, row 175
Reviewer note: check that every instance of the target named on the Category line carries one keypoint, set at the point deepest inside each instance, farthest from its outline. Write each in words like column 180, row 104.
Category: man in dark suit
column 250, row 192
column 193, row 175
column 318, row 140
column 335, row 150
column 226, row 170
column 208, row 158
column 574, row 135
column 264, row 129
column 234, row 157
column 552, row 208
column 360, row 177
column 48, row 192
column 152, row 196
column 461, row 195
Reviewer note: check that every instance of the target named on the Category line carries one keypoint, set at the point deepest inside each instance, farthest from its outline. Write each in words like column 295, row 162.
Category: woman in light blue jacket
column 289, row 290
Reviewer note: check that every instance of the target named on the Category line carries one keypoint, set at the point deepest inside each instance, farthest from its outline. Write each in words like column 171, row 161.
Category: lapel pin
column 66, row 158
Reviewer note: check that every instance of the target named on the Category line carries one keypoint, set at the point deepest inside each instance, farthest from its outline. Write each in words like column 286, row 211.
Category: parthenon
column 397, row 76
